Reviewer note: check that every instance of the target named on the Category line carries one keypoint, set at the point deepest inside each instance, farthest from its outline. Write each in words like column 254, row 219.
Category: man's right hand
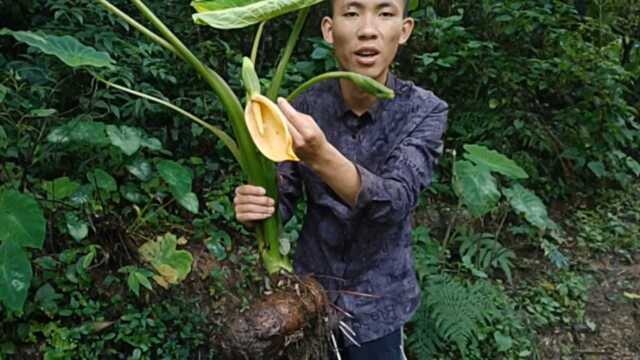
column 251, row 204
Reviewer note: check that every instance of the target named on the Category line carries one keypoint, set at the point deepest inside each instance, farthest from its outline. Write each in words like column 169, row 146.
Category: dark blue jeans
column 389, row 347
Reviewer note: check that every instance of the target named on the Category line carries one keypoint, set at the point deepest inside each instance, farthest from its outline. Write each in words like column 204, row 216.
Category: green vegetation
column 107, row 196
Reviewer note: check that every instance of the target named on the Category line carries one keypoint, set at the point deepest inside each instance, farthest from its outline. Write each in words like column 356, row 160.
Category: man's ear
column 407, row 27
column 327, row 29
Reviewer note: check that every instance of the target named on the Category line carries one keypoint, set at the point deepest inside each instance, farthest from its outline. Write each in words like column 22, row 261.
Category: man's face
column 366, row 34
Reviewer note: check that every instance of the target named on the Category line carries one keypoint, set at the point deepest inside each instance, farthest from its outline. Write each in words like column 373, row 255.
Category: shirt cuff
column 370, row 186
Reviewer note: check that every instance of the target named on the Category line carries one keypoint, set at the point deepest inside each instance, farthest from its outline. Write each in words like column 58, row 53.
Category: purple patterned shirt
column 362, row 255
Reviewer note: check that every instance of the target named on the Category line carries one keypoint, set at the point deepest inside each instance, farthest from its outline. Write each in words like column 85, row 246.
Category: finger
column 252, row 217
column 250, row 190
column 251, row 208
column 294, row 117
column 287, row 108
column 254, row 200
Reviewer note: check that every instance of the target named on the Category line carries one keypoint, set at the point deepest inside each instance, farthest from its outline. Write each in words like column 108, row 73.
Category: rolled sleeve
column 391, row 195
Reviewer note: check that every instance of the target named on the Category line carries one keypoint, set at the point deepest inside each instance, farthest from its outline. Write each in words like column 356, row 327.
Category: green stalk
column 363, row 82
column 272, row 93
column 253, row 163
column 256, row 42
column 136, row 25
column 226, row 139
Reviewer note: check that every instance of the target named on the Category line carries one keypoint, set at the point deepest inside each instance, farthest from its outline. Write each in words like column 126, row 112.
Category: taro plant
column 260, row 111
column 479, row 193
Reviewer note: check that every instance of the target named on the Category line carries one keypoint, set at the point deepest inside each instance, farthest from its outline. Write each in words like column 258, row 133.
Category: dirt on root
column 289, row 323
column 613, row 310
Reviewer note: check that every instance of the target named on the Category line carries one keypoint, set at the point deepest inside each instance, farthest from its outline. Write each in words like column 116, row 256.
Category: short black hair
column 405, row 11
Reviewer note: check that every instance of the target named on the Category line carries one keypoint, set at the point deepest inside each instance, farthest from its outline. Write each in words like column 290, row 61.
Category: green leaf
column 208, row 5
column 245, row 14
column 133, row 283
column 632, row 164
column 173, row 265
column 529, row 204
column 66, row 48
column 82, row 131
column 15, row 275
column 21, row 220
column 60, row 188
column 503, row 342
column 177, row 176
column 42, row 112
column 597, row 167
column 189, row 201
column 476, row 187
column 126, row 138
column 78, row 229
column 4, row 139
column 102, row 180
column 142, row 279
column 494, row 161
column 141, row 169
column 3, row 92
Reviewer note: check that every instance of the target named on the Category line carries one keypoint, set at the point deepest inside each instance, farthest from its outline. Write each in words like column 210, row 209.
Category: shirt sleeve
column 391, row 195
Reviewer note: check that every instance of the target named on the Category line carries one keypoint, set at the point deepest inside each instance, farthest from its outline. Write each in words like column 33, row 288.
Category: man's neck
column 358, row 100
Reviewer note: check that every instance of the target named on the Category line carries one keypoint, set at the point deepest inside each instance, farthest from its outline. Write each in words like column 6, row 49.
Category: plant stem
column 144, row 30
column 256, row 42
column 226, row 139
column 272, row 93
column 259, row 170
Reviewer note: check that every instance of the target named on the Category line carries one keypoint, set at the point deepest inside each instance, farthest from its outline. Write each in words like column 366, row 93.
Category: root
column 290, row 323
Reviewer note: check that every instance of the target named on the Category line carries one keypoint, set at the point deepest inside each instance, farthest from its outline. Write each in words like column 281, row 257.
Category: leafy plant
column 23, row 226
column 172, row 265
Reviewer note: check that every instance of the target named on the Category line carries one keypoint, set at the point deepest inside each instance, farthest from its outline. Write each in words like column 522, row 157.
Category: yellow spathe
column 267, row 126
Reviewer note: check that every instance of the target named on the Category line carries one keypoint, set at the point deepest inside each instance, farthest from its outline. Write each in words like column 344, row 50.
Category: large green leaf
column 476, row 187
column 15, row 275
column 66, row 48
column 21, row 220
column 102, row 180
column 208, row 5
column 60, row 188
column 495, row 161
column 246, row 13
column 530, row 205
column 82, row 131
column 177, row 176
column 127, row 138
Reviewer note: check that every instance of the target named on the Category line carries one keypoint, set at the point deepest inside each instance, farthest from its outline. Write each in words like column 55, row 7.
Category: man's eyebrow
column 359, row 5
column 354, row 3
column 386, row 4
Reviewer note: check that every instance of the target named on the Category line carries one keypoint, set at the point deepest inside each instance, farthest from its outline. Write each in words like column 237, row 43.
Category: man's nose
column 367, row 28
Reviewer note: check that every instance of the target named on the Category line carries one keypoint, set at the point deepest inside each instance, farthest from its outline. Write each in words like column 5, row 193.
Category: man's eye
column 350, row 14
column 387, row 14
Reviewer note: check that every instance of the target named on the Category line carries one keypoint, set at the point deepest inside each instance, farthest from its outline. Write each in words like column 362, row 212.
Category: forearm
column 338, row 172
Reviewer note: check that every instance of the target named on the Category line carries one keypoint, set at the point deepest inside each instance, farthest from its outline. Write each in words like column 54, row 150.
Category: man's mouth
column 366, row 56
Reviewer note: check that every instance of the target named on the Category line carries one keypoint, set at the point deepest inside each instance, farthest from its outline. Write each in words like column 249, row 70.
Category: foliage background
column 552, row 84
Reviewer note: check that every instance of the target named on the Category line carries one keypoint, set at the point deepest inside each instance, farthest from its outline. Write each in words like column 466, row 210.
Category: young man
column 363, row 165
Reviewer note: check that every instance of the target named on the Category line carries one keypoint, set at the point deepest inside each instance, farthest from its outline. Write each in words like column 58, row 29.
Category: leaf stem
column 144, row 30
column 226, row 139
column 272, row 93
column 256, row 42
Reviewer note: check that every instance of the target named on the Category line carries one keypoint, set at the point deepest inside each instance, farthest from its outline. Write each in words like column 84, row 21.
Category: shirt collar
column 375, row 109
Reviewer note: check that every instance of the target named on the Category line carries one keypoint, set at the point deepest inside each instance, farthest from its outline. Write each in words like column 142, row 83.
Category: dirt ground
column 613, row 310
